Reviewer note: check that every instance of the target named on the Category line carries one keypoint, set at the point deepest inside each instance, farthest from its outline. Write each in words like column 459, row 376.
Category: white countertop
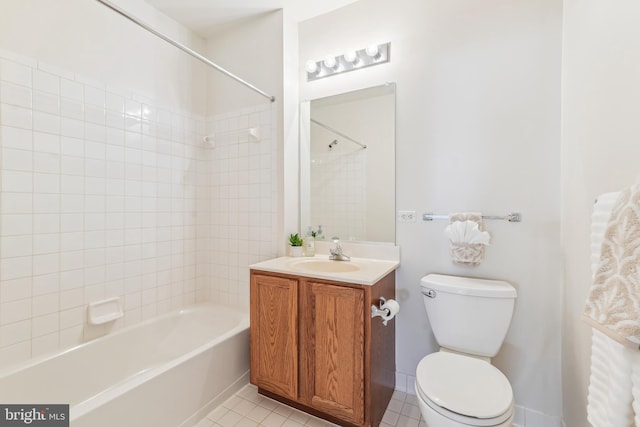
column 368, row 272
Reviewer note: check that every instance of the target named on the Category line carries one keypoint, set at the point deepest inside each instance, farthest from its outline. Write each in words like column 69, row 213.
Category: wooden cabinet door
column 274, row 334
column 332, row 350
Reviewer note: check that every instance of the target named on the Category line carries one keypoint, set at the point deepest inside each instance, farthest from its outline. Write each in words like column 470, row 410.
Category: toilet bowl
column 457, row 391
column 457, row 386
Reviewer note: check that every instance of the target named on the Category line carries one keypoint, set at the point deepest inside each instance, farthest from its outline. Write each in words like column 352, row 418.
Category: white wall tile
column 16, row 73
column 94, row 96
column 46, row 82
column 71, row 90
column 115, row 102
column 72, row 128
column 112, row 195
column 16, row 289
column 17, row 160
column 94, row 132
column 46, row 102
column 46, row 142
column 56, row 71
column 46, row 283
column 71, row 298
column 71, row 109
column 46, row 162
column 71, row 279
column 46, row 183
column 15, row 311
column 15, row 181
column 16, row 246
column 14, row 333
column 45, row 122
column 43, row 325
column 71, row 165
column 13, row 203
column 45, row 264
column 72, row 146
column 95, row 115
column 19, row 117
column 46, row 203
column 16, row 95
column 46, row 243
column 46, row 223
column 16, row 138
column 16, row 224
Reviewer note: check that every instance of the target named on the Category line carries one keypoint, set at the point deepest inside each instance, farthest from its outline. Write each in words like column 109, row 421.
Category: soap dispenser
column 310, row 243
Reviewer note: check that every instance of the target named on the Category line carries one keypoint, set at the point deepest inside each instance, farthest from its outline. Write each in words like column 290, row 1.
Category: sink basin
column 324, row 266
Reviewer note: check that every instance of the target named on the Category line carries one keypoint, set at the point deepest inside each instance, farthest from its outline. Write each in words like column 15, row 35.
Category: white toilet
column 457, row 386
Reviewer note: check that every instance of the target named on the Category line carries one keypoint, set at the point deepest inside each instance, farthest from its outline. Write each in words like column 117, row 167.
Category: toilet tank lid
column 468, row 286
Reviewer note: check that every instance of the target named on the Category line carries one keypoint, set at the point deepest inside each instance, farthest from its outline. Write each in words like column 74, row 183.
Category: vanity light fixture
column 331, row 63
column 312, row 67
column 373, row 54
column 351, row 57
column 373, row 51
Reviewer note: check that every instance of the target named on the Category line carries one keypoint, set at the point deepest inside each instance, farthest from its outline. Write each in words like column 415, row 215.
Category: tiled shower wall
column 106, row 194
column 243, row 197
column 339, row 188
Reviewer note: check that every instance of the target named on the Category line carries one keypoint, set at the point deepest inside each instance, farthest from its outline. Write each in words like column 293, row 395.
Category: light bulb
column 351, row 56
column 330, row 62
column 311, row 67
column 373, row 51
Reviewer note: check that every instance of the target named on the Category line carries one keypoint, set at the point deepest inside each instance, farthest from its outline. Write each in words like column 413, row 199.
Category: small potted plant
column 295, row 245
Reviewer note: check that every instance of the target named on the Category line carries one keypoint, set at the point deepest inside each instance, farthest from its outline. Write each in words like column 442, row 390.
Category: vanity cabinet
column 274, row 334
column 315, row 346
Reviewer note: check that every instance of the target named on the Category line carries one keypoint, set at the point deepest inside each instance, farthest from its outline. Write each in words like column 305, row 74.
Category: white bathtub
column 168, row 371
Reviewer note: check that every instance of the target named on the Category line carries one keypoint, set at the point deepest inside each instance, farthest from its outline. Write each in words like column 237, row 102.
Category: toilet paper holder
column 384, row 310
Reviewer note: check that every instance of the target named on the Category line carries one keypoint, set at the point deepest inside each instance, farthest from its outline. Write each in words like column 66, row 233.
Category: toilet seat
column 464, row 389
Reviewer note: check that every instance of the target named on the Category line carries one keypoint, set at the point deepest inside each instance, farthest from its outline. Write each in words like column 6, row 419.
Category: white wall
column 478, row 102
column 600, row 152
column 253, row 52
column 92, row 40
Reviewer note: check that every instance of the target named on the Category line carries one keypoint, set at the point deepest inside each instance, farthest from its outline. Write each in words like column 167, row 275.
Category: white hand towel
column 467, row 238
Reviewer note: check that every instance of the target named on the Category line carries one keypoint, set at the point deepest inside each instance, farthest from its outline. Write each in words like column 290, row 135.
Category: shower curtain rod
column 185, row 49
column 329, row 128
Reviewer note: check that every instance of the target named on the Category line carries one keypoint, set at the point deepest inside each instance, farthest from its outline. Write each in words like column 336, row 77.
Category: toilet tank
column 468, row 315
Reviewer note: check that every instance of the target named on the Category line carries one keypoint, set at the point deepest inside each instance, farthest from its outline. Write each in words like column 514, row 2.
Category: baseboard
column 217, row 401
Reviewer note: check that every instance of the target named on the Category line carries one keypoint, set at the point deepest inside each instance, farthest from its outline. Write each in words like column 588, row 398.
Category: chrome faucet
column 336, row 252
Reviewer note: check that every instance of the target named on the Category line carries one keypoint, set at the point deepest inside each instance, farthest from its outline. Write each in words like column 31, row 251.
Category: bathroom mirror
column 347, row 165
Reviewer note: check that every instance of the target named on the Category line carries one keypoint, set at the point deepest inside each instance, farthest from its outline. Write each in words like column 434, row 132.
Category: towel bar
column 512, row 217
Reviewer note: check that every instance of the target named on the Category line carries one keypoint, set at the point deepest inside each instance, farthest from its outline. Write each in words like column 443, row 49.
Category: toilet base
column 434, row 419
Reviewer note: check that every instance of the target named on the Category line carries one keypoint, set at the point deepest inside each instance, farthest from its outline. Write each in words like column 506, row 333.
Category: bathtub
column 168, row 371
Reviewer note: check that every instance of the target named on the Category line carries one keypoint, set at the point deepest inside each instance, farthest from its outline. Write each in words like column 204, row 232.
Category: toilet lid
column 464, row 385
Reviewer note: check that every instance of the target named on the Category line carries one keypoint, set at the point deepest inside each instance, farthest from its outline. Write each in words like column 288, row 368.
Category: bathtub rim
column 244, row 323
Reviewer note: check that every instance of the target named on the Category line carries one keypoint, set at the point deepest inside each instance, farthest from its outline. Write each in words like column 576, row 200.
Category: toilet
column 458, row 386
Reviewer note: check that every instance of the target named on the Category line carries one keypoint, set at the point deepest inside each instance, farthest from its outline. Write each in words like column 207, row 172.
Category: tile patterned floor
column 248, row 409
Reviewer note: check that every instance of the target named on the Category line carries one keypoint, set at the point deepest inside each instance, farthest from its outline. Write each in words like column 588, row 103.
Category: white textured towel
column 613, row 304
column 614, row 384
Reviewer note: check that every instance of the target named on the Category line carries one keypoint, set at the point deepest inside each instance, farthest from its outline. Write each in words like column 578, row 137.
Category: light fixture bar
column 354, row 60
